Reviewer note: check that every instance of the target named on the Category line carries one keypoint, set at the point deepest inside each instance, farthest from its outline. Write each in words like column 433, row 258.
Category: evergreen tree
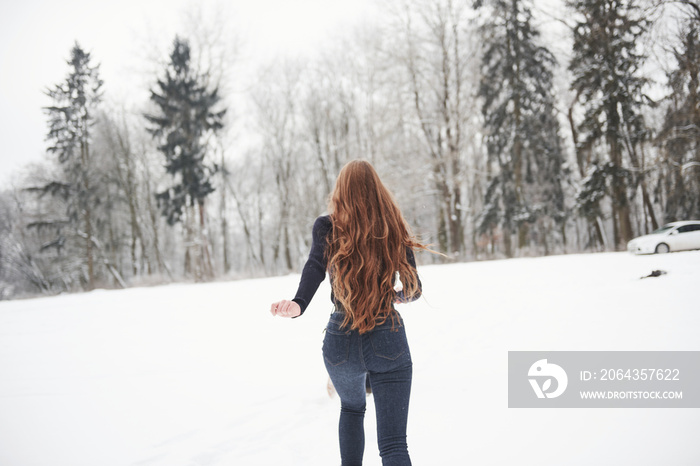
column 71, row 118
column 680, row 135
column 522, row 131
column 186, row 119
column 605, row 65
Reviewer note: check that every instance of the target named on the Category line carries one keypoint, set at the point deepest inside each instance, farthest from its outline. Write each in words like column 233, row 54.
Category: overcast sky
column 36, row 37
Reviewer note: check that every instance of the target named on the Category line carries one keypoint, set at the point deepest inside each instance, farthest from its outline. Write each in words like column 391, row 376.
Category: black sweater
column 314, row 271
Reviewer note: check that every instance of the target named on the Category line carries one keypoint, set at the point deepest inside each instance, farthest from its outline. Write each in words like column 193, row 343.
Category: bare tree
column 277, row 120
column 434, row 54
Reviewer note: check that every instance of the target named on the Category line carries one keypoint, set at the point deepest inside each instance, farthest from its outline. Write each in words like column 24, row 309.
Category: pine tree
column 605, row 64
column 71, row 118
column 522, row 131
column 187, row 118
column 680, row 135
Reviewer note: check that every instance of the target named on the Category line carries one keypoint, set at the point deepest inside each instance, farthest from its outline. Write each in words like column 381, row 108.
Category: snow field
column 204, row 375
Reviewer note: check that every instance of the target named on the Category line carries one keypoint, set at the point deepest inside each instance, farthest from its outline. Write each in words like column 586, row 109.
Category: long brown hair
column 367, row 247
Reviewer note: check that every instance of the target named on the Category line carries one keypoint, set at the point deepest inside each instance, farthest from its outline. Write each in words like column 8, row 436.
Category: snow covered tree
column 433, row 50
column 71, row 118
column 186, row 120
column 20, row 269
column 606, row 66
column 692, row 7
column 680, row 134
column 277, row 117
column 128, row 160
column 522, row 131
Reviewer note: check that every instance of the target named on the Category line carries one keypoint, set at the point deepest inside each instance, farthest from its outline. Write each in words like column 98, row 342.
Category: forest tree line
column 495, row 144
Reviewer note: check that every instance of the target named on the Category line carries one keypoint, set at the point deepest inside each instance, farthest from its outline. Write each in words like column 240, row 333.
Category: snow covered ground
column 204, row 375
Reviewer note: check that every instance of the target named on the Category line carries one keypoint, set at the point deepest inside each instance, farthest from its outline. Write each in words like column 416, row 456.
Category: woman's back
column 369, row 242
column 363, row 244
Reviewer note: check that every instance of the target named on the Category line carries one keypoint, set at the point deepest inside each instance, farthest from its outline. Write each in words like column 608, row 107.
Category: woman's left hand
column 285, row 308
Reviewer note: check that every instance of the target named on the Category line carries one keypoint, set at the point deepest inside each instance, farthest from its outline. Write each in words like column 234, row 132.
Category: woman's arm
column 312, row 275
column 400, row 296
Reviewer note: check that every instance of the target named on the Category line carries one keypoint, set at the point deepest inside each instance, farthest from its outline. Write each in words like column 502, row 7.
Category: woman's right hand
column 285, row 308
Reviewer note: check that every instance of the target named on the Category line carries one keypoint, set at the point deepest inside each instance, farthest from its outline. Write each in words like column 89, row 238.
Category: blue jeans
column 382, row 355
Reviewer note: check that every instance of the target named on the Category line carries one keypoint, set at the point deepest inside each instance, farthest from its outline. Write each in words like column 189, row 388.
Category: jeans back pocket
column 336, row 347
column 389, row 343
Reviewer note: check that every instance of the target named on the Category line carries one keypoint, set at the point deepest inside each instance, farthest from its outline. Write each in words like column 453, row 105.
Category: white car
column 676, row 236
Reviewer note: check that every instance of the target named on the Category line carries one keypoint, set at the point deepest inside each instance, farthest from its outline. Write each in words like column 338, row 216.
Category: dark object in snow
column 655, row 273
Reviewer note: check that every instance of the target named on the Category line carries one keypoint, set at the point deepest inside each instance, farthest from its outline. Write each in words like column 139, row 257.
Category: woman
column 363, row 243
